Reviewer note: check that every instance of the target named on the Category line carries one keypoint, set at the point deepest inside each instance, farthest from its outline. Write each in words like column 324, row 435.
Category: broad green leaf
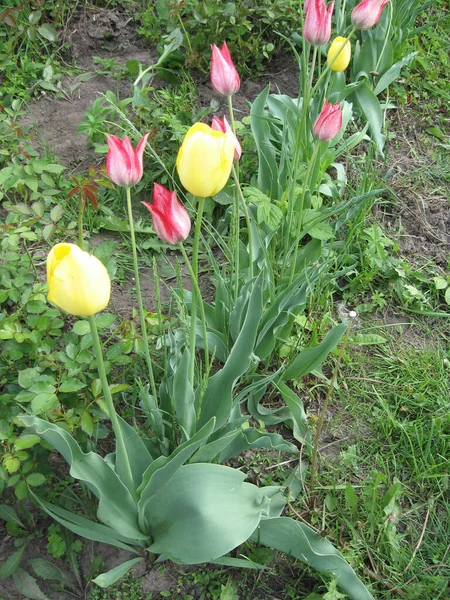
column 81, row 327
column 12, row 563
column 48, row 32
column 28, row 586
column 26, row 441
column 163, row 469
column 252, row 438
column 300, row 427
column 183, row 396
column 310, row 359
column 298, row 540
column 71, row 384
column 391, row 74
column 8, row 514
column 35, row 479
column 217, row 399
column 367, row 339
column 370, row 107
column 48, row 570
column 87, row 528
column 138, row 455
column 116, row 506
column 204, row 512
column 106, row 579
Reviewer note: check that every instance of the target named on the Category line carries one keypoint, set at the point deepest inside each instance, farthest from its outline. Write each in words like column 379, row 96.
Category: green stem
column 296, row 162
column 120, row 442
column 197, row 299
column 301, row 208
column 352, row 316
column 235, row 209
column 188, row 41
column 139, row 295
column 247, row 220
column 198, row 227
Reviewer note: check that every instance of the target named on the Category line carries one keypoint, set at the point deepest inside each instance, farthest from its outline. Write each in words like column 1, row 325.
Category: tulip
column 317, row 30
column 339, row 54
column 328, row 123
column 78, row 282
column 367, row 13
column 224, row 77
column 204, row 160
column 123, row 162
column 223, row 125
column 169, row 217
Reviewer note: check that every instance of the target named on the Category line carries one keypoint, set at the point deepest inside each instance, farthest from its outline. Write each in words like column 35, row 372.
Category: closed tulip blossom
column 170, row 219
column 224, row 76
column 223, row 125
column 78, row 283
column 328, row 123
column 367, row 13
column 123, row 162
column 204, row 160
column 339, row 54
column 317, row 29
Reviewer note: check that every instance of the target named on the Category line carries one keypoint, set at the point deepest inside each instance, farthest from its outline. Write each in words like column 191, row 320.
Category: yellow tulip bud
column 339, row 54
column 78, row 282
column 204, row 160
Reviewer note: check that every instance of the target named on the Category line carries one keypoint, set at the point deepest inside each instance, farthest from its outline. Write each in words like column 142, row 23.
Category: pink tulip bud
column 367, row 13
column 123, row 162
column 305, row 6
column 317, row 30
column 224, row 77
column 328, row 123
column 170, row 219
column 223, row 126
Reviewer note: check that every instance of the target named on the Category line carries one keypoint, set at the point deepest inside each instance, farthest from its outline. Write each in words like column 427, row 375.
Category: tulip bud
column 204, row 160
column 328, row 123
column 223, row 126
column 317, row 30
column 367, row 13
column 224, row 77
column 78, row 282
column 170, row 219
column 339, row 54
column 123, row 162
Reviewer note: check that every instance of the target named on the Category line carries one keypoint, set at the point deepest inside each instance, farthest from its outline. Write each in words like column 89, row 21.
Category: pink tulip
column 305, row 6
column 224, row 77
column 223, row 126
column 170, row 219
column 328, row 123
column 123, row 162
column 317, row 30
column 367, row 13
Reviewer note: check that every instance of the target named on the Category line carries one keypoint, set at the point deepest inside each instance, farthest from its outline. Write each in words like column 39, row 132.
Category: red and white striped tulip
column 317, row 29
column 224, row 76
column 223, row 126
column 123, row 162
column 170, row 219
column 367, row 13
column 328, row 123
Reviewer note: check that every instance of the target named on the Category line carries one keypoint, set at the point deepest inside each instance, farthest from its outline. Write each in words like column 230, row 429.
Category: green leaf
column 54, row 168
column 104, row 320
column 204, row 512
column 43, row 402
column 183, row 396
column 106, row 579
column 298, row 540
column 116, row 506
column 87, row 423
column 366, row 339
column 81, row 327
column 321, row 231
column 310, row 359
column 36, row 479
column 217, row 399
column 138, row 455
column 28, row 377
column 48, row 570
column 28, row 586
column 57, row 213
column 391, row 74
column 447, row 295
column 369, row 105
column 12, row 563
column 71, row 385
column 26, row 441
column 49, row 33
column 9, row 515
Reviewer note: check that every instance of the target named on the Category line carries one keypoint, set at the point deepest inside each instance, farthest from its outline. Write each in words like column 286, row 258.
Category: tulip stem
column 236, row 209
column 302, row 208
column 80, row 221
column 139, row 296
column 197, row 297
column 198, row 227
column 121, row 449
column 323, row 411
column 247, row 220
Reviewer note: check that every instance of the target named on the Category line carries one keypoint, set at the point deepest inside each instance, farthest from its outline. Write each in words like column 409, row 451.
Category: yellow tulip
column 78, row 282
column 339, row 54
column 204, row 160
